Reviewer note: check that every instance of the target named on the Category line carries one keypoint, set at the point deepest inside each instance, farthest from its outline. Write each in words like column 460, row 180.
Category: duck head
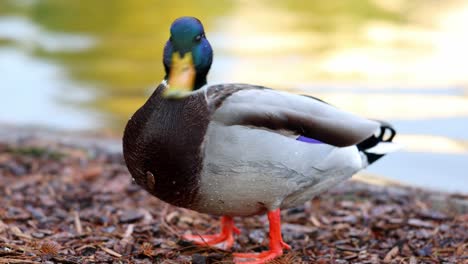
column 187, row 57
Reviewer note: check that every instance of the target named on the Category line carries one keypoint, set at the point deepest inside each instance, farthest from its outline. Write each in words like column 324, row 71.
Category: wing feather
column 276, row 110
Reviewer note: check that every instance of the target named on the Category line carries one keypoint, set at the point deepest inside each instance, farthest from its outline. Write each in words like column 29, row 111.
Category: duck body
column 238, row 150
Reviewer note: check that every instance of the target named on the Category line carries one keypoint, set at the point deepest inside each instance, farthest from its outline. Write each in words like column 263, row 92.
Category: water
column 87, row 65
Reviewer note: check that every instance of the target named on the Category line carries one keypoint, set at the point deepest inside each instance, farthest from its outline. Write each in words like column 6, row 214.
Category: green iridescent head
column 188, row 36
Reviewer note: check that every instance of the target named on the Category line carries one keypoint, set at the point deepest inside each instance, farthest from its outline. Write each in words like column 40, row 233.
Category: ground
column 63, row 202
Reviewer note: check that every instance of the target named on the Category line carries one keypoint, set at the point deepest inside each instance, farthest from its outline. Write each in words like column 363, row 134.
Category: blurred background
column 88, row 65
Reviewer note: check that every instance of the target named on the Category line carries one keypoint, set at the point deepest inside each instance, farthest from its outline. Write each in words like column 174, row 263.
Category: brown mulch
column 64, row 204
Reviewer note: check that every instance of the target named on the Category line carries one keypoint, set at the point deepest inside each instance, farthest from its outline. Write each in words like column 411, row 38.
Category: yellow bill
column 181, row 76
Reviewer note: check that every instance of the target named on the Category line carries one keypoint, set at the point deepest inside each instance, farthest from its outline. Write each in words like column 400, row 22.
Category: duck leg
column 226, row 235
column 276, row 243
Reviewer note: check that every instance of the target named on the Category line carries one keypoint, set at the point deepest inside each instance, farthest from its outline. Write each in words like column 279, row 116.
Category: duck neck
column 200, row 80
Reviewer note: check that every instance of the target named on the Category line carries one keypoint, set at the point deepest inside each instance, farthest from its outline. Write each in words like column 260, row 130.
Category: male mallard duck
column 239, row 149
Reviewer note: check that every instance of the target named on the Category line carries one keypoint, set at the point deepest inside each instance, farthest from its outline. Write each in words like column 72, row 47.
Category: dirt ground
column 62, row 203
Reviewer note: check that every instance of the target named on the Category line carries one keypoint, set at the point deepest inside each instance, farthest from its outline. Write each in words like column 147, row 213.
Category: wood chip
column 315, row 221
column 111, row 252
column 129, row 231
column 420, row 223
column 78, row 226
column 461, row 249
column 391, row 254
column 299, row 228
column 10, row 260
column 15, row 230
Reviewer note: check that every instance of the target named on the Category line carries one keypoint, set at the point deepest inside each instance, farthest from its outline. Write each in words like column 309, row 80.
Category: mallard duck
column 240, row 149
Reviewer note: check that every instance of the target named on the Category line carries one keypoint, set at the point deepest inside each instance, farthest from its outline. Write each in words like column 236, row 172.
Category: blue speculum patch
column 308, row 140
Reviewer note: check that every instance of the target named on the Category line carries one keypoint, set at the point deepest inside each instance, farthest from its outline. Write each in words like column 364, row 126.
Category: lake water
column 87, row 65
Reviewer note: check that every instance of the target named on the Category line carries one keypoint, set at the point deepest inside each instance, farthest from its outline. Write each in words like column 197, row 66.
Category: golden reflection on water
column 423, row 46
column 399, row 106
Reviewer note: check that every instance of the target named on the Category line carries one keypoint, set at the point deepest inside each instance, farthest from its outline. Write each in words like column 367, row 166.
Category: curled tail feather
column 379, row 144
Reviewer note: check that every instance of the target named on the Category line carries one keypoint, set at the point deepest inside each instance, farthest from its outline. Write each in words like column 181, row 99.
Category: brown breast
column 162, row 146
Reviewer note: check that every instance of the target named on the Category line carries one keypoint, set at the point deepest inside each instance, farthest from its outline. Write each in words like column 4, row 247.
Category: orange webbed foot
column 276, row 244
column 223, row 240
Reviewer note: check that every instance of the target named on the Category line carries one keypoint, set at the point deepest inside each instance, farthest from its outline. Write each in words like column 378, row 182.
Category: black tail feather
column 387, row 133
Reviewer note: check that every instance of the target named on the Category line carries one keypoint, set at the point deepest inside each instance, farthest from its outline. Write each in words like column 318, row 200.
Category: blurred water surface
column 87, row 65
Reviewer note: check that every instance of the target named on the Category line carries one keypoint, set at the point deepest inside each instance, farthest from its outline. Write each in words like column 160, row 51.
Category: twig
column 17, row 232
column 78, row 226
column 129, row 231
column 162, row 218
column 126, row 239
column 9, row 260
column 111, row 252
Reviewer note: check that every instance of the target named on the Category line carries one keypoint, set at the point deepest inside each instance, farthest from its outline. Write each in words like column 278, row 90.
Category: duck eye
column 198, row 37
column 170, row 38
